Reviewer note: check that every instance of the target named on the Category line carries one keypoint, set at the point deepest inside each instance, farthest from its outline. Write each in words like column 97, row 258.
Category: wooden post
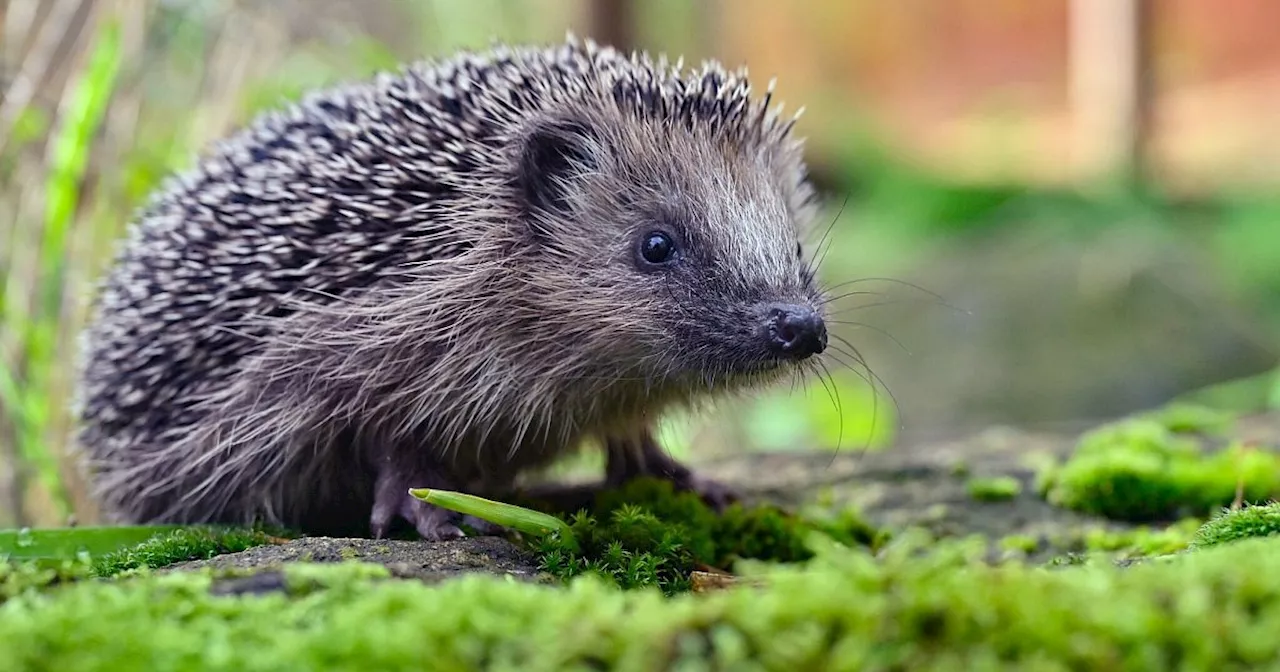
column 612, row 23
column 1111, row 85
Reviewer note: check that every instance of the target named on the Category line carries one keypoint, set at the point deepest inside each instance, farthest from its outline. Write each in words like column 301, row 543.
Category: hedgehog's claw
column 392, row 500
column 627, row 460
column 432, row 522
column 716, row 494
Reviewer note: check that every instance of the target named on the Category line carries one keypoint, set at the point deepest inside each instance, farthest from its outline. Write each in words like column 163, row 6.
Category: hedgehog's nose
column 795, row 332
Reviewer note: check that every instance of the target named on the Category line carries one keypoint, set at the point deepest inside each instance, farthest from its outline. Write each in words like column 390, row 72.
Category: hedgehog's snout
column 792, row 331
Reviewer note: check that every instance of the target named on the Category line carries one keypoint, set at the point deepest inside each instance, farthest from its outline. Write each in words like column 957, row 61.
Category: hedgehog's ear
column 551, row 154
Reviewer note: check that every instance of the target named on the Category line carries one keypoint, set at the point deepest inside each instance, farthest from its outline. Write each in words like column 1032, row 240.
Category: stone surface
column 405, row 559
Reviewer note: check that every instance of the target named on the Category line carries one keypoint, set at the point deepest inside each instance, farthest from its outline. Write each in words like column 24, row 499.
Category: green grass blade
column 66, row 543
column 1273, row 399
column 33, row 397
column 507, row 515
column 72, row 144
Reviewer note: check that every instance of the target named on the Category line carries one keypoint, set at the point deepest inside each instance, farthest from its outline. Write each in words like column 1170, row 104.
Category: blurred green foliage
column 27, row 392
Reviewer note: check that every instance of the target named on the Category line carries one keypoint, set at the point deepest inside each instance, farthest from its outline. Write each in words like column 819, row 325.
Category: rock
column 420, row 560
column 922, row 484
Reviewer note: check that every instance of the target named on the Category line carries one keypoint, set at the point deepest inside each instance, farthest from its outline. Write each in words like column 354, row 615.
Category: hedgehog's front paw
column 716, row 494
column 627, row 461
column 432, row 522
column 392, row 500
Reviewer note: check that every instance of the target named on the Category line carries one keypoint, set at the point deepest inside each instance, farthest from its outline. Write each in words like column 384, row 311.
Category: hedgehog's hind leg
column 627, row 459
column 392, row 500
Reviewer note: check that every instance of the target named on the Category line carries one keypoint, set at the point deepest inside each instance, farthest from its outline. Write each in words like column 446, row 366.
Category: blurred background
column 1058, row 211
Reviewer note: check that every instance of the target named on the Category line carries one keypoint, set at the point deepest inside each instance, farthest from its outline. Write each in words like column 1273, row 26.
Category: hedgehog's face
column 677, row 251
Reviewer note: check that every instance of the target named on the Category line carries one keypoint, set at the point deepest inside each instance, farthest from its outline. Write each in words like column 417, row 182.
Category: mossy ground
column 643, row 534
column 1201, row 596
column 919, row 604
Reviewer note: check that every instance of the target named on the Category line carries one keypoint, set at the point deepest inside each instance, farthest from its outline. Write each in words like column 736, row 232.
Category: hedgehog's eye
column 657, row 248
column 799, row 251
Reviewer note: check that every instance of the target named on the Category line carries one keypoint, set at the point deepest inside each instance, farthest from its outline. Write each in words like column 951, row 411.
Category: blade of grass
column 79, row 120
column 66, row 543
column 507, row 515
column 1273, row 399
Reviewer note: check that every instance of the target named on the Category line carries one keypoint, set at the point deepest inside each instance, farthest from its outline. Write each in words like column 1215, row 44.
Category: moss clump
column 994, row 489
column 1143, row 541
column 914, row 608
column 1020, row 543
column 1182, row 418
column 194, row 543
column 632, row 549
column 648, row 534
column 1141, row 471
column 19, row 577
column 1244, row 523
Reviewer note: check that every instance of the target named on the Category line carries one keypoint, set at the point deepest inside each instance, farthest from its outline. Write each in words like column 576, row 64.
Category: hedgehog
column 448, row 275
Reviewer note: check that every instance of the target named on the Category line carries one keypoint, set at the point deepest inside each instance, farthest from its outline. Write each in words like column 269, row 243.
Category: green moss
column 1143, row 540
column 648, row 534
column 912, row 608
column 1183, row 418
column 195, row 543
column 1243, row 523
column 1070, row 560
column 994, row 489
column 1021, row 543
column 1139, row 470
column 19, row 577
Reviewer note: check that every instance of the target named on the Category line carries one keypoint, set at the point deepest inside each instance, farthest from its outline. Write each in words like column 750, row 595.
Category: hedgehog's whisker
column 876, row 329
column 833, row 395
column 832, row 298
column 856, row 356
column 823, row 252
